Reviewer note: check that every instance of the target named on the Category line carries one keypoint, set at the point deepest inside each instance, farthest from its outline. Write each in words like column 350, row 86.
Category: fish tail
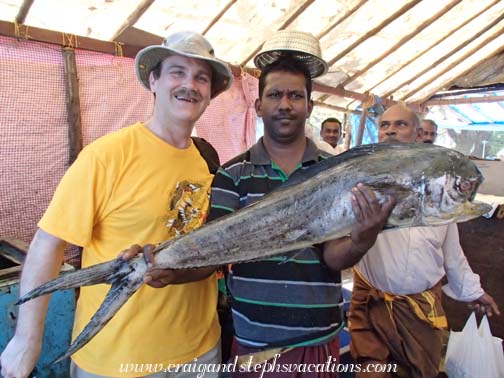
column 119, row 293
column 101, row 273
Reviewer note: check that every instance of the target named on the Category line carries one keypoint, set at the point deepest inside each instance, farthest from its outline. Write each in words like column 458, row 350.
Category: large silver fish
column 433, row 186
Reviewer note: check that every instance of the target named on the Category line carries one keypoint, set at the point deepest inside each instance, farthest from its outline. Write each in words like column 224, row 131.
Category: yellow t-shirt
column 130, row 187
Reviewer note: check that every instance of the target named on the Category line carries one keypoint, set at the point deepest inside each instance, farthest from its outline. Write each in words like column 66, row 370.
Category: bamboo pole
column 219, row 16
column 436, row 43
column 362, row 126
column 403, row 40
column 286, row 23
column 9, row 29
column 457, row 48
column 341, row 19
column 23, row 11
column 455, row 63
column 491, row 55
column 133, row 17
column 72, row 104
column 335, row 107
column 458, row 101
column 374, row 30
column 348, row 130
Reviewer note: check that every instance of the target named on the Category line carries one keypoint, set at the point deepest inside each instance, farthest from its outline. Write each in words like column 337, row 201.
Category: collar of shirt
column 259, row 155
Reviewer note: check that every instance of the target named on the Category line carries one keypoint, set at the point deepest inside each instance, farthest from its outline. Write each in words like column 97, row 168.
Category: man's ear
column 419, row 136
column 152, row 82
column 310, row 108
column 257, row 106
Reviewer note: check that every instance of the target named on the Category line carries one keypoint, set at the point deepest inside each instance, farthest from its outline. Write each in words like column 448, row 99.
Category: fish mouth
column 465, row 212
column 470, row 210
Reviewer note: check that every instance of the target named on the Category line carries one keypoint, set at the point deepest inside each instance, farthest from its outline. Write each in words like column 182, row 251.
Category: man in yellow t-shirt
column 143, row 184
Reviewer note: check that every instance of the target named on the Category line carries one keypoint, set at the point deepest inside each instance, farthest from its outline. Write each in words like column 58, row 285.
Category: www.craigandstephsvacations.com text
column 270, row 366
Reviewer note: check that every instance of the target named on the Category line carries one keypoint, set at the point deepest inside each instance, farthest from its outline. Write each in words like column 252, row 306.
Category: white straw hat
column 188, row 44
column 297, row 44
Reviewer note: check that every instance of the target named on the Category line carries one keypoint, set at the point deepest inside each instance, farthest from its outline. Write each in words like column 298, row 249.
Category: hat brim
column 149, row 57
column 315, row 65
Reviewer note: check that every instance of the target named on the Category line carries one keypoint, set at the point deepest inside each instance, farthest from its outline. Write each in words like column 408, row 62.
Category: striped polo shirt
column 288, row 300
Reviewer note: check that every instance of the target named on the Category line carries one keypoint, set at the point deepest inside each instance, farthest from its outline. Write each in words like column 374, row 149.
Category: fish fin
column 122, row 289
column 100, row 273
column 353, row 153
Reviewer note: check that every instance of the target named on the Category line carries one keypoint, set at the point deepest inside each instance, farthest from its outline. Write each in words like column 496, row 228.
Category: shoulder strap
column 208, row 153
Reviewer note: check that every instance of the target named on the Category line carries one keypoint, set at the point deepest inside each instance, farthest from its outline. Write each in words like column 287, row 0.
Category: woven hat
column 297, row 44
column 188, row 44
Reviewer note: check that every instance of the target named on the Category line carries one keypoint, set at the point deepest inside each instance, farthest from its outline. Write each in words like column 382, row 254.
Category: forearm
column 42, row 264
column 341, row 253
column 192, row 275
column 161, row 277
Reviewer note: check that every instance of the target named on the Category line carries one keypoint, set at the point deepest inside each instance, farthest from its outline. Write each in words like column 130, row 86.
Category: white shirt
column 324, row 146
column 412, row 260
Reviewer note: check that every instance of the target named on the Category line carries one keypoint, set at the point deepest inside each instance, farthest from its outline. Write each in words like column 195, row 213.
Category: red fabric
column 300, row 357
column 230, row 120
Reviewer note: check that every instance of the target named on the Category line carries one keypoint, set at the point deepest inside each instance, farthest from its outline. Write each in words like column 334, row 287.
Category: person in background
column 395, row 312
column 429, row 131
column 123, row 189
column 330, row 133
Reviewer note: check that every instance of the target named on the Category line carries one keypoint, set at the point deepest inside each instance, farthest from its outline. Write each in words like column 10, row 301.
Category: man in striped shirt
column 288, row 309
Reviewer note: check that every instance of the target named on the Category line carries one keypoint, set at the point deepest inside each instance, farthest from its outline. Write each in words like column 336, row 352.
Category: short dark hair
column 156, row 70
column 330, row 119
column 286, row 64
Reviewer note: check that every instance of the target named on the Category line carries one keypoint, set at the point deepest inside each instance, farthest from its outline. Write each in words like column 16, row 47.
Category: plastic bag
column 474, row 352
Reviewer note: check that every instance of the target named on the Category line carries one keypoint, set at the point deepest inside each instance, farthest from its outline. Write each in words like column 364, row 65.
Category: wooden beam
column 474, row 50
column 286, row 23
column 335, row 107
column 219, row 16
column 342, row 92
column 373, row 31
column 8, row 29
column 133, row 17
column 420, row 54
column 362, row 126
column 85, row 43
column 348, row 131
column 23, row 11
column 341, row 19
column 368, row 35
column 138, row 37
column 446, row 56
column 316, row 87
column 72, row 104
column 447, row 85
column 403, row 40
column 457, row 101
column 436, row 43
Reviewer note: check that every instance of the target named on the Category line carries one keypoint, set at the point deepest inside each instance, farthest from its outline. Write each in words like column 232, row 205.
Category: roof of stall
column 406, row 49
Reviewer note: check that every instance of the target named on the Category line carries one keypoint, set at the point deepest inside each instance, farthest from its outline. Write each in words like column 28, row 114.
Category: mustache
column 283, row 115
column 188, row 93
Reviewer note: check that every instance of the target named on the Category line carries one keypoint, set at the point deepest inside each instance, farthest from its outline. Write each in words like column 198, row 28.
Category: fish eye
column 464, row 186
